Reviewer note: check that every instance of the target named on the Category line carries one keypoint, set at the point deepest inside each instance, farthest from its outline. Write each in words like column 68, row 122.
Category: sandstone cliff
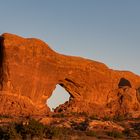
column 30, row 70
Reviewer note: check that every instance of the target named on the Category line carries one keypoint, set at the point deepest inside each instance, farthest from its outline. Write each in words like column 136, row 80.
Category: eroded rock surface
column 30, row 70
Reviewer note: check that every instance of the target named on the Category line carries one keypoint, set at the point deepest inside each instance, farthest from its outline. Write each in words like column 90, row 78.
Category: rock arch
column 33, row 70
column 58, row 97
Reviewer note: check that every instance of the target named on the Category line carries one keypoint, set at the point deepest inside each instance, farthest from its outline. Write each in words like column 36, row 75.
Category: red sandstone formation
column 30, row 70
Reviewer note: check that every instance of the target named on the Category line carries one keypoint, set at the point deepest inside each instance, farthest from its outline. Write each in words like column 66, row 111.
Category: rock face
column 30, row 70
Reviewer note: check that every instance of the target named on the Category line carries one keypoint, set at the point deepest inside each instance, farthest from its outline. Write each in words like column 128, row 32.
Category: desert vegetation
column 81, row 127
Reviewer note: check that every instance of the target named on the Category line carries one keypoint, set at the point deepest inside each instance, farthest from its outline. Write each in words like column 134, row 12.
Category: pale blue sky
column 103, row 30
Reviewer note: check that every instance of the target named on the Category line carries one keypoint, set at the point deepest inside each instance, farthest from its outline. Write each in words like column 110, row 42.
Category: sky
column 102, row 30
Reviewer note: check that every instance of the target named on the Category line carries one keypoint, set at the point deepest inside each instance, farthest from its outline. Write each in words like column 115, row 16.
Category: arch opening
column 124, row 82
column 58, row 97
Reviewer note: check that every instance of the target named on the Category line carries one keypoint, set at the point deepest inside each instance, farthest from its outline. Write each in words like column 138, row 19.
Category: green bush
column 9, row 133
column 106, row 118
column 32, row 129
column 91, row 133
column 94, row 117
column 52, row 132
column 5, row 116
column 36, row 129
column 56, row 132
column 115, row 134
column 84, row 114
column 127, row 132
column 80, row 126
column 119, row 118
column 59, row 115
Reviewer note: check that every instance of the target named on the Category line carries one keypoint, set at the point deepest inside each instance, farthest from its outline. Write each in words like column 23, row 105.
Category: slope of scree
column 30, row 70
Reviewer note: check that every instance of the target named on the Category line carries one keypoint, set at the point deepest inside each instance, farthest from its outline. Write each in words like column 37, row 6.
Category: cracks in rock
column 70, row 81
column 71, row 87
column 138, row 94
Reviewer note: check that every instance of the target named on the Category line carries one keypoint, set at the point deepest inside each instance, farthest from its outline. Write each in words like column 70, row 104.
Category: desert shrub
column 131, row 133
column 32, row 129
column 91, row 133
column 53, row 132
column 80, row 126
column 127, row 132
column 56, row 132
column 119, row 118
column 59, row 115
column 79, row 114
column 136, row 126
column 84, row 114
column 106, row 118
column 5, row 116
column 136, row 119
column 93, row 117
column 115, row 134
column 35, row 127
column 9, row 133
column 74, row 113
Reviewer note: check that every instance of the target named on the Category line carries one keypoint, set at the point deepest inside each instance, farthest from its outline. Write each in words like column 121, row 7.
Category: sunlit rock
column 30, row 70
